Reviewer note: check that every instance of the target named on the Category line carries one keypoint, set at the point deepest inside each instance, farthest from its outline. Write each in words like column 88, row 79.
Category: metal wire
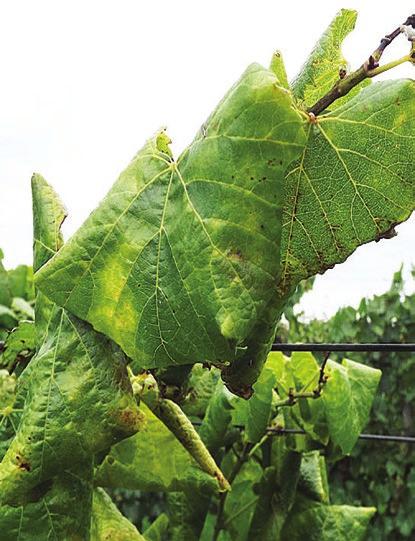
column 376, row 437
column 344, row 347
column 298, row 431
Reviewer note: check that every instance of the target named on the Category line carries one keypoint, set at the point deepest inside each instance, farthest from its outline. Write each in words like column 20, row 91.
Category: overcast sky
column 85, row 83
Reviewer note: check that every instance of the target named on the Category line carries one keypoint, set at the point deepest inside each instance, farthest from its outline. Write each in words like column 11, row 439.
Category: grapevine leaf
column 21, row 282
column 180, row 260
column 255, row 414
column 342, row 410
column 277, row 66
column 7, row 390
column 108, row 523
column 348, row 397
column 75, row 394
column 313, row 477
column 7, row 402
column 153, row 460
column 5, row 293
column 157, row 529
column 22, row 308
column 353, row 183
column 64, row 512
column 277, row 490
column 8, row 319
column 318, row 522
column 322, row 68
column 300, row 372
column 187, row 513
column 218, row 417
column 241, row 501
column 201, row 386
column 21, row 341
column 78, row 402
column 48, row 216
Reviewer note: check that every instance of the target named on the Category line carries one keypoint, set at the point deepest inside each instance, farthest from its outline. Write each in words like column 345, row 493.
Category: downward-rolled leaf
column 153, row 460
column 313, row 477
column 216, row 422
column 78, row 402
column 348, row 398
column 180, row 260
column 48, row 217
column 201, row 386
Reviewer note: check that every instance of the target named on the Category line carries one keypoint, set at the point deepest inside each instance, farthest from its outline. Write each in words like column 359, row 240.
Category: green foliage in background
column 382, row 474
column 147, row 368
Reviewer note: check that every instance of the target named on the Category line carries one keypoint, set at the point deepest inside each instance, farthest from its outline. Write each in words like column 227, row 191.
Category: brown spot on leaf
column 23, row 464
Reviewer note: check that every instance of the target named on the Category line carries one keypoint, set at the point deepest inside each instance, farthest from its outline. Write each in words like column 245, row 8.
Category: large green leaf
column 75, row 393
column 78, row 402
column 63, row 513
column 342, row 410
column 153, row 460
column 353, row 183
column 319, row 522
column 108, row 523
column 180, row 260
column 322, row 68
column 348, row 397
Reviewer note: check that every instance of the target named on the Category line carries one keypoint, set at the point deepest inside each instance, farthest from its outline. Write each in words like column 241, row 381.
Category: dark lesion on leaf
column 234, row 254
column 388, row 234
column 23, row 464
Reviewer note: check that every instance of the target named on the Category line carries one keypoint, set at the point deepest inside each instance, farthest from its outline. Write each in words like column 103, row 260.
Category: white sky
column 85, row 83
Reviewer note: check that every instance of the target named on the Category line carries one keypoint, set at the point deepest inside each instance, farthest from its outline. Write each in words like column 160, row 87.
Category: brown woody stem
column 368, row 69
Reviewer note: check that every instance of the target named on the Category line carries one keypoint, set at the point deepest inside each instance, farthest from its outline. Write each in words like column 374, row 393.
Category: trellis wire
column 322, row 347
column 377, row 437
column 298, row 431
